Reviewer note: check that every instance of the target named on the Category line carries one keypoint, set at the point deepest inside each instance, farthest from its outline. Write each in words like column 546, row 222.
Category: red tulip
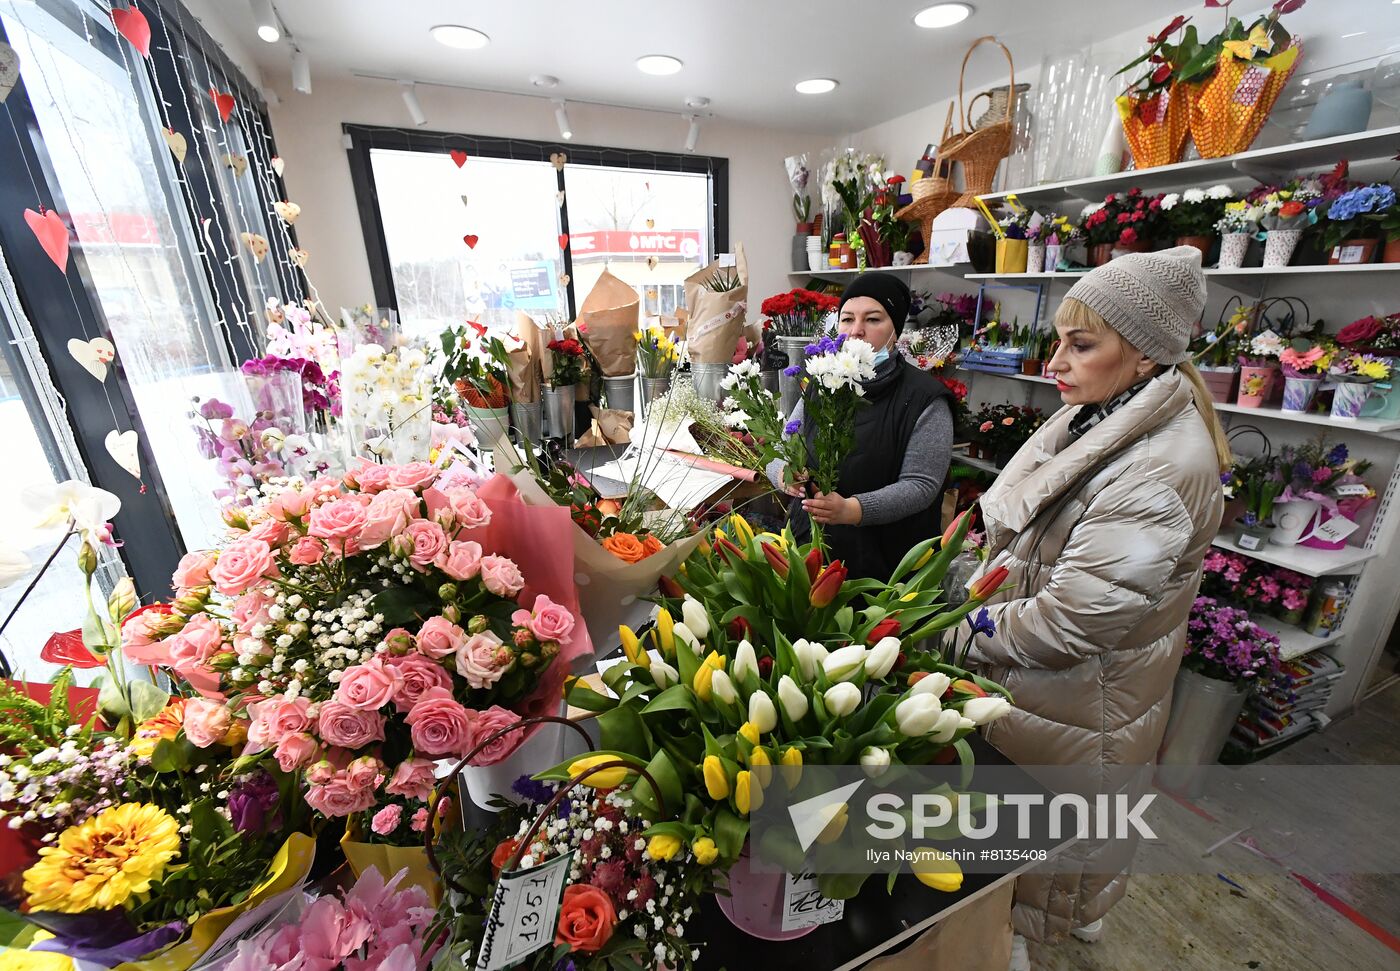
column 827, row 584
column 670, row 588
column 814, row 564
column 888, row 627
column 765, row 667
column 776, row 558
column 989, row 584
column 953, row 527
column 739, row 628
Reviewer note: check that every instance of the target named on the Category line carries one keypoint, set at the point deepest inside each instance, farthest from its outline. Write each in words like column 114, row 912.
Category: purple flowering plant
column 1223, row 643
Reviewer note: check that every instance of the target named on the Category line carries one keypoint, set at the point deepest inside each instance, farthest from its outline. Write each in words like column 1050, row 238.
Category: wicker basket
column 1227, row 112
column 980, row 150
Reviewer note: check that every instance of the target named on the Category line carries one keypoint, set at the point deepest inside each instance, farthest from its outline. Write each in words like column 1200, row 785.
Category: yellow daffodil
column 703, row 683
column 705, row 851
column 633, row 647
column 937, row 869
column 103, row 862
column 605, row 779
column 750, row 731
column 663, row 847
column 716, row 782
column 748, row 794
column 792, row 766
column 637, row 336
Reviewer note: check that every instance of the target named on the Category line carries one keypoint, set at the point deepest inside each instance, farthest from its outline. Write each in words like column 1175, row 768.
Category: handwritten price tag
column 523, row 913
column 1335, row 530
column 804, row 905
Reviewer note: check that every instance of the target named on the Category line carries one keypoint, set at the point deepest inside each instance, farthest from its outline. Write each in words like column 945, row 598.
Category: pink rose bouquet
column 357, row 627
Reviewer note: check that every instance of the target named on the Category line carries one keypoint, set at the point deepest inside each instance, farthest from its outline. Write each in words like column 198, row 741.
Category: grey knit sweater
column 920, row 477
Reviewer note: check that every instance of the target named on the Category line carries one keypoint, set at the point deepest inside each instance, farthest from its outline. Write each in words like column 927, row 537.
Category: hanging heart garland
column 238, row 163
column 132, row 24
column 93, row 355
column 178, row 146
column 9, row 70
column 52, row 234
column 559, row 197
column 298, row 256
column 278, row 165
column 224, row 102
column 563, row 240
column 564, row 279
column 559, row 159
column 464, row 200
column 651, row 224
column 651, row 262
column 470, row 239
column 122, row 447
column 289, row 211
column 459, row 157
column 257, row 245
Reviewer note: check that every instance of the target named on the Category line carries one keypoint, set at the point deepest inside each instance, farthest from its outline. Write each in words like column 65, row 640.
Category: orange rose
column 502, row 854
column 586, row 917
column 651, row 544
column 167, row 721
column 625, row 547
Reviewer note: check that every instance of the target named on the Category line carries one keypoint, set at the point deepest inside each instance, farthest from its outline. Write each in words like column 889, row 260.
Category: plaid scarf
column 1090, row 415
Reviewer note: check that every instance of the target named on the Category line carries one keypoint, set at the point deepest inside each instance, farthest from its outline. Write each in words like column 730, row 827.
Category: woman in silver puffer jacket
column 1103, row 519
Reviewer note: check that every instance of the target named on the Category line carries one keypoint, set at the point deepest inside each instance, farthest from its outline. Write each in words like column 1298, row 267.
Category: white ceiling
column 744, row 55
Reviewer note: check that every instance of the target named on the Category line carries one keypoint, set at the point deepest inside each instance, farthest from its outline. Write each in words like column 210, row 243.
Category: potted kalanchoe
column 1191, row 216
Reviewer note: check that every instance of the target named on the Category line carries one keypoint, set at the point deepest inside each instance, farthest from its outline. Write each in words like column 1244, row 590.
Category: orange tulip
column 814, row 565
column 827, row 585
column 776, row 559
column 988, row 584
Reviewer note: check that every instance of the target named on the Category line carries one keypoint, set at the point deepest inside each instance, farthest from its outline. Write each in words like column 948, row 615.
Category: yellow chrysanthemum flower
column 101, row 863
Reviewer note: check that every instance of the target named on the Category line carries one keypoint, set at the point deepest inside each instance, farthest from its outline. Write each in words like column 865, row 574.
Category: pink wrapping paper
column 711, row 465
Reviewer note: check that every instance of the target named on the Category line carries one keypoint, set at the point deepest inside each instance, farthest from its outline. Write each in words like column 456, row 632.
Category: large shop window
column 482, row 240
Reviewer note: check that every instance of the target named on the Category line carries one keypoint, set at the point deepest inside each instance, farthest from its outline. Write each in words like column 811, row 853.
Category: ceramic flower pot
column 1353, row 251
column 1032, row 366
column 1233, row 247
column 1202, row 243
column 1298, row 392
column 1204, row 710
column 1391, row 252
column 1350, row 398
column 1279, row 245
column 1292, row 520
column 1100, row 253
column 490, row 424
column 1253, row 537
column 756, row 902
column 1035, row 258
column 1255, row 385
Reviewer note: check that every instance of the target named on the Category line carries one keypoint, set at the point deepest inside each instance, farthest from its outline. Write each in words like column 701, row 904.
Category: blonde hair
column 1075, row 315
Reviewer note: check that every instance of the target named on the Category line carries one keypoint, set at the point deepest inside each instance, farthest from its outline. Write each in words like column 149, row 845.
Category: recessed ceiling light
column 544, row 81
column 816, row 86
column 658, row 64
column 462, row 38
column 942, row 15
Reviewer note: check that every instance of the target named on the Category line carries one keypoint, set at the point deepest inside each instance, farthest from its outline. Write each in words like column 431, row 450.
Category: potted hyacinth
column 1226, row 655
column 1258, row 482
column 1323, row 483
column 1192, row 215
column 1349, row 232
column 1258, row 365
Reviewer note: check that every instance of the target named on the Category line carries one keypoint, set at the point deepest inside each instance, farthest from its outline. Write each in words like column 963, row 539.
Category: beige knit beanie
column 1153, row 299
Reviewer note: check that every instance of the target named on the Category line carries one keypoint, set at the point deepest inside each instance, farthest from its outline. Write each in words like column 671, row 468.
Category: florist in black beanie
column 888, row 495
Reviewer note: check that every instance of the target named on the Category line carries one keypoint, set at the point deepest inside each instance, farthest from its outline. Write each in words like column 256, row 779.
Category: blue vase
column 1344, row 109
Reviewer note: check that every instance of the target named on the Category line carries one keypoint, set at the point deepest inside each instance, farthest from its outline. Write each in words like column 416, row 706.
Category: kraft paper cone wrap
column 525, row 363
column 608, row 320
column 715, row 320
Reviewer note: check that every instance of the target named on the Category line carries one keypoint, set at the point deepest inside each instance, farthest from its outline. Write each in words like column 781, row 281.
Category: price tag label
column 1350, row 254
column 804, row 905
column 523, row 914
column 1252, row 543
column 1353, row 489
column 1335, row 530
column 727, row 259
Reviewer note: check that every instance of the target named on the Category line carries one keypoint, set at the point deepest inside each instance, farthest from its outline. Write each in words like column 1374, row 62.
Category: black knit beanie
column 890, row 291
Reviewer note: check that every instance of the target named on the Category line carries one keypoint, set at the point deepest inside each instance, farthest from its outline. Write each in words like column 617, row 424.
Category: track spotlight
column 562, row 117
column 301, row 71
column 693, row 135
column 266, row 19
column 410, row 100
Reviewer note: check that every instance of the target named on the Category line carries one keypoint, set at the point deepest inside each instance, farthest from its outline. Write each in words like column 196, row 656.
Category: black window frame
column 363, row 138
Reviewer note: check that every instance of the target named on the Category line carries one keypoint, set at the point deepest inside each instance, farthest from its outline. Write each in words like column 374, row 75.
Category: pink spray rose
column 338, row 798
column 368, row 686
column 206, row 722
column 366, row 772
column 276, row 718
column 429, row 542
column 241, row 565
column 339, row 724
column 340, row 519
column 416, row 674
column 461, row 561
column 193, row 570
column 439, row 637
column 307, row 551
column 387, row 819
column 195, row 644
column 413, row 779
column 290, row 504
column 271, row 532
column 296, row 751
column 398, row 641
column 368, row 476
column 548, row 621
column 468, row 507
column 501, row 576
column 139, row 630
column 483, row 659
column 250, row 610
column 438, row 725
column 387, row 514
column 489, row 722
column 415, row 475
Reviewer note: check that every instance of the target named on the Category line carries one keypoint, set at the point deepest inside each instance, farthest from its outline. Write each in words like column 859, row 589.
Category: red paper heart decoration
column 133, row 25
column 52, row 235
column 224, row 102
column 68, row 648
column 563, row 240
column 459, row 157
column 470, row 240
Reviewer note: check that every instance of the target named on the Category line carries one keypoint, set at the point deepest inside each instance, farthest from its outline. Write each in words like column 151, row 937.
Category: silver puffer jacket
column 1104, row 538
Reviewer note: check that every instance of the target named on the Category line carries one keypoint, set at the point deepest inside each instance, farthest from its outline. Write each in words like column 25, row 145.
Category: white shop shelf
column 1033, row 378
column 962, row 458
column 1301, row 559
column 1322, row 153
column 1243, row 272
column 838, row 275
column 1373, row 426
column 1294, row 641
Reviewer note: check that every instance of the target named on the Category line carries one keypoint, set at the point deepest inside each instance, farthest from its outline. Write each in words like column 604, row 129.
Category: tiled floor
column 1270, row 922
